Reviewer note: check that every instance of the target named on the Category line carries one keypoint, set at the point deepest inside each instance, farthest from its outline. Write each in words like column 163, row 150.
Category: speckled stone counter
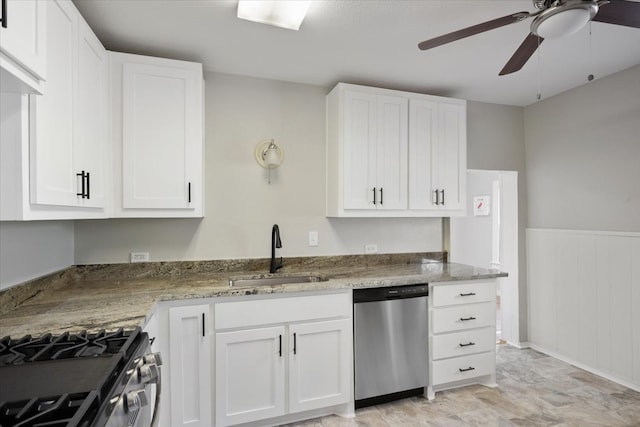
column 123, row 295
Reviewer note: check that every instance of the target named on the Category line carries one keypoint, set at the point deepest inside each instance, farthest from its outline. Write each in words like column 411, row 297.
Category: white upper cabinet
column 53, row 176
column 394, row 154
column 367, row 152
column 23, row 45
column 91, row 137
column 59, row 153
column 157, row 128
column 437, row 156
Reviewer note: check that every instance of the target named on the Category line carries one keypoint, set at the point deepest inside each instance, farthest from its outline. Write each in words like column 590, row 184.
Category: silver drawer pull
column 470, row 368
column 467, row 344
column 470, row 294
column 464, row 319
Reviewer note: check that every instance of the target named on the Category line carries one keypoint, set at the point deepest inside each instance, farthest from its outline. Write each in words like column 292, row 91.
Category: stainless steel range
column 105, row 379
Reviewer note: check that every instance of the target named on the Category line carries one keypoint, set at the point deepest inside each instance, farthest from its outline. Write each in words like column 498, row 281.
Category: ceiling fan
column 553, row 19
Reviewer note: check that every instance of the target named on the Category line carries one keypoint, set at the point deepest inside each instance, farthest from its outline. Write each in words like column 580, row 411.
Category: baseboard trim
column 577, row 364
column 521, row 345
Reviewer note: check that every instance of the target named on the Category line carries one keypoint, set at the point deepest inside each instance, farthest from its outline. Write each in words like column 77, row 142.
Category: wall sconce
column 269, row 155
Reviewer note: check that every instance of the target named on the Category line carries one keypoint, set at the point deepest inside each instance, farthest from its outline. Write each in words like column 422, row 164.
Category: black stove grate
column 67, row 410
column 65, row 346
column 64, row 380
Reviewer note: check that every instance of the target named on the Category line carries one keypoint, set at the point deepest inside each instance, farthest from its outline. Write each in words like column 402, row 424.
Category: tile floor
column 534, row 390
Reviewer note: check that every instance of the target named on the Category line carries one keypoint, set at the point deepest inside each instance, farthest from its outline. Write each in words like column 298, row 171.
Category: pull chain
column 590, row 77
column 539, row 96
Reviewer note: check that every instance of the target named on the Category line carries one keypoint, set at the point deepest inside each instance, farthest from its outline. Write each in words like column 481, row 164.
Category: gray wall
column 32, row 249
column 583, row 156
column 496, row 142
column 241, row 206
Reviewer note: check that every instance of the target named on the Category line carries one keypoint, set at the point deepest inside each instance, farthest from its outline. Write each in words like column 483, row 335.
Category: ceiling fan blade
column 522, row 54
column 619, row 12
column 476, row 29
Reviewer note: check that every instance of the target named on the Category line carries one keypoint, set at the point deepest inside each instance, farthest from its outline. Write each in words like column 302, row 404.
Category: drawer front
column 464, row 293
column 462, row 343
column 463, row 368
column 281, row 310
column 458, row 318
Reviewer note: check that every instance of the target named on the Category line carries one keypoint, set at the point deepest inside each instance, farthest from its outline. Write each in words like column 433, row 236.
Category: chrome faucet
column 275, row 243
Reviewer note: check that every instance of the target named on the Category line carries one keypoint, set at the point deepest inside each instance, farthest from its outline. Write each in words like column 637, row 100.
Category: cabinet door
column 24, row 38
column 438, row 156
column 162, row 136
column 319, row 365
column 190, row 366
column 91, row 116
column 360, row 129
column 250, row 375
column 53, row 176
column 391, row 153
column 452, row 155
column 423, row 136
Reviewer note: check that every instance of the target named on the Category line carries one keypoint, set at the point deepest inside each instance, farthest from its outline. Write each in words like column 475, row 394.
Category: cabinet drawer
column 462, row 317
column 462, row 368
column 463, row 293
column 462, row 343
column 281, row 310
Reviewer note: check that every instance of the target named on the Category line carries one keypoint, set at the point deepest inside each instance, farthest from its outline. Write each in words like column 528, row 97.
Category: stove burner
column 65, row 346
column 69, row 380
column 66, row 410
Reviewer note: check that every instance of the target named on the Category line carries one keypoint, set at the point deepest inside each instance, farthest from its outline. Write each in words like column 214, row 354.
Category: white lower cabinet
column 462, row 334
column 190, row 366
column 304, row 363
column 250, row 367
column 318, row 369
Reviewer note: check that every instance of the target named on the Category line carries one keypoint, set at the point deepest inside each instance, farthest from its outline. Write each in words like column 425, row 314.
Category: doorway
column 488, row 237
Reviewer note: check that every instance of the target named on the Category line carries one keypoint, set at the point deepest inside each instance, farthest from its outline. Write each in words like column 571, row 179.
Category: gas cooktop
column 65, row 380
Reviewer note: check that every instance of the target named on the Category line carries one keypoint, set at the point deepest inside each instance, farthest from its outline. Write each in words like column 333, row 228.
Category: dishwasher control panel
column 391, row 292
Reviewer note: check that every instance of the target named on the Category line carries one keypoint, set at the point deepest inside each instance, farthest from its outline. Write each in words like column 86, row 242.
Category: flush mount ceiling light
column 269, row 155
column 279, row 13
column 564, row 19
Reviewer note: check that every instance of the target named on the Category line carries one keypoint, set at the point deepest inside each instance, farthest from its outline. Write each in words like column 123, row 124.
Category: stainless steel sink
column 275, row 280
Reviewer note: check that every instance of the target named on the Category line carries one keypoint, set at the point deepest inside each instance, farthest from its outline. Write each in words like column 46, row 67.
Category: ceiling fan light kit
column 564, row 19
column 554, row 19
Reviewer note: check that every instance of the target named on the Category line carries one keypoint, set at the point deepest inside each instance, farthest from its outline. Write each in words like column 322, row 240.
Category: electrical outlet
column 313, row 238
column 371, row 248
column 139, row 256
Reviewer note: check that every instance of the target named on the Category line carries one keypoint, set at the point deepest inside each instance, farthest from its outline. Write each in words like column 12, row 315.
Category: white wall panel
column 603, row 337
column 620, row 305
column 588, row 301
column 635, row 303
column 584, row 295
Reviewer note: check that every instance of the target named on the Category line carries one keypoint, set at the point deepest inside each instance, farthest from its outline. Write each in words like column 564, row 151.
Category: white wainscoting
column 584, row 299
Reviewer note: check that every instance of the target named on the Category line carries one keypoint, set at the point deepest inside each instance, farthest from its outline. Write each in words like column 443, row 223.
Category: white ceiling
column 368, row 42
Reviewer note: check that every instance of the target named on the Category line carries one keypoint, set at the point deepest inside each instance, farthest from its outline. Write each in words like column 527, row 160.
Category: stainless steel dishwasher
column 390, row 343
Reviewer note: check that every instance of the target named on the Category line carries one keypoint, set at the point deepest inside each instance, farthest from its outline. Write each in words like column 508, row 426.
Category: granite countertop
column 123, row 295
